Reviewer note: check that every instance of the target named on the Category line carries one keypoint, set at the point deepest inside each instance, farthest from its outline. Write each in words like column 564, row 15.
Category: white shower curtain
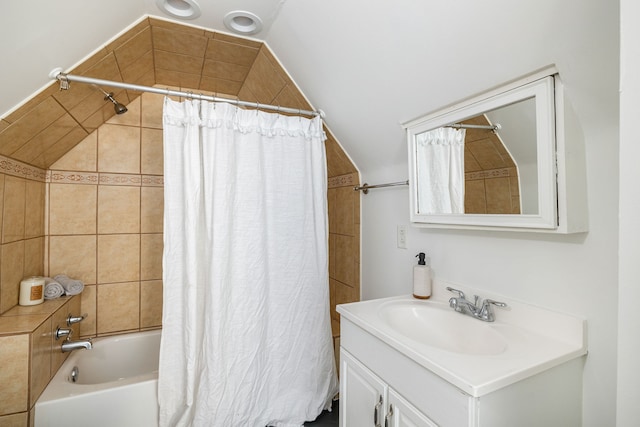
column 440, row 171
column 246, row 338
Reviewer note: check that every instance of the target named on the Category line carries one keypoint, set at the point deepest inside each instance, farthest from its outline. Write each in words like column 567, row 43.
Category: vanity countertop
column 524, row 340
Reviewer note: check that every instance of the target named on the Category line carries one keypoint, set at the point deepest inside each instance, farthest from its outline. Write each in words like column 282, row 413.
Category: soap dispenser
column 421, row 278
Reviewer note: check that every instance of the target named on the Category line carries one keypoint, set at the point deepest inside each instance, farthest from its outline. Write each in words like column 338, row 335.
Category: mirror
column 487, row 162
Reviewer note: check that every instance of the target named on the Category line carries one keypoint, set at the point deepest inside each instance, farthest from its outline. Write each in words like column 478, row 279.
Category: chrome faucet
column 481, row 310
column 69, row 345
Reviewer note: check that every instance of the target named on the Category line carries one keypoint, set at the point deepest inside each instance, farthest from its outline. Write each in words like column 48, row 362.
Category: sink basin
column 437, row 325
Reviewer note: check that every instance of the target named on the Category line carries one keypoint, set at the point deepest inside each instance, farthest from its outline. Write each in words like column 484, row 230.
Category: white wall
column 629, row 248
column 575, row 273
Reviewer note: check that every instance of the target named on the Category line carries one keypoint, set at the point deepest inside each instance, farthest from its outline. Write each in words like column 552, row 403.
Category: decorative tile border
column 63, row 177
column 120, row 179
column 341, row 181
column 21, row 170
column 493, row 173
column 152, row 180
column 95, row 178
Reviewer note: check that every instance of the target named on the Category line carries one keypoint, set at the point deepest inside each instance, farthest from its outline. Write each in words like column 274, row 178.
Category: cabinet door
column 362, row 395
column 404, row 414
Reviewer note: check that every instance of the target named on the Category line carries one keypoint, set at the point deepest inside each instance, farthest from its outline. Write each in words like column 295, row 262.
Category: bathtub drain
column 74, row 374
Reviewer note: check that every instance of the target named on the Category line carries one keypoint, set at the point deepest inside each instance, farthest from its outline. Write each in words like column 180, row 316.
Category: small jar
column 32, row 291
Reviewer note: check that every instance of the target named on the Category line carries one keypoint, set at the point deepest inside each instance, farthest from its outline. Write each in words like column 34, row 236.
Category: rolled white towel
column 52, row 289
column 71, row 286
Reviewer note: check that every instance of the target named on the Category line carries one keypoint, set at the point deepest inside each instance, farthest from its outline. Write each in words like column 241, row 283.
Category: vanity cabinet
column 378, row 379
column 369, row 401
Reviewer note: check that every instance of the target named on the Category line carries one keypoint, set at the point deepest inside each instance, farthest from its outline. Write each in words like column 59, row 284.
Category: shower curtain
column 246, row 337
column 440, row 167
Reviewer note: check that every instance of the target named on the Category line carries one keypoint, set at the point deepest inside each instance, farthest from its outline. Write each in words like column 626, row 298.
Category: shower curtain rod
column 494, row 128
column 65, row 79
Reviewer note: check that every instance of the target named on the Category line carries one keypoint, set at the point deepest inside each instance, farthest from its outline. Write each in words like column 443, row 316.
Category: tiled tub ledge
column 30, row 354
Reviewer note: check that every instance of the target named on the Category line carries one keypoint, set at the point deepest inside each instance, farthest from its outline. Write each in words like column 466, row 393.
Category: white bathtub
column 116, row 385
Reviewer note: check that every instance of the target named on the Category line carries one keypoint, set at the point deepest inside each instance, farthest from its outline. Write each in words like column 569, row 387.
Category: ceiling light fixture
column 243, row 22
column 183, row 9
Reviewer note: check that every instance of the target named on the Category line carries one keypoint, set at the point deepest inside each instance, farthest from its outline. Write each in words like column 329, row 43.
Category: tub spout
column 68, row 345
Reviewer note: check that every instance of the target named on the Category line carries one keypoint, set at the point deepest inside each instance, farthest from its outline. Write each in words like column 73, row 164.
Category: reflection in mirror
column 490, row 161
column 486, row 164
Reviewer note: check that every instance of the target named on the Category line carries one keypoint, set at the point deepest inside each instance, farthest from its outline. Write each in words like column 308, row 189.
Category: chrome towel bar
column 365, row 187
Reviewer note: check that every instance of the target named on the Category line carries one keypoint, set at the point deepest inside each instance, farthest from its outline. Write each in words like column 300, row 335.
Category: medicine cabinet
column 509, row 159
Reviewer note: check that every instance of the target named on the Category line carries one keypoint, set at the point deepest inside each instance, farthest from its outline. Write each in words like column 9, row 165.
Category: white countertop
column 537, row 339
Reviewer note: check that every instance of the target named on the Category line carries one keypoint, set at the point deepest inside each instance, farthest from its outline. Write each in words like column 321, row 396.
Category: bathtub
column 115, row 384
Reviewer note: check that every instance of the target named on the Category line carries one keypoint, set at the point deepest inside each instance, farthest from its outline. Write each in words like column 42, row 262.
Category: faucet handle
column 496, row 303
column 63, row 332
column 456, row 291
column 71, row 319
column 486, row 313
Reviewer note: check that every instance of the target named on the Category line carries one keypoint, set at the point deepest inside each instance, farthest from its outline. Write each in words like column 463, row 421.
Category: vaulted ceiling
column 369, row 66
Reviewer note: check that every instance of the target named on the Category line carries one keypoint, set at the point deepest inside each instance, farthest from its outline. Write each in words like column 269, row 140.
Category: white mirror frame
column 552, row 214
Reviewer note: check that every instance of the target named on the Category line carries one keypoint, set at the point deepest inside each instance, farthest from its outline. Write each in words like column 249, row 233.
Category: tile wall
column 104, row 222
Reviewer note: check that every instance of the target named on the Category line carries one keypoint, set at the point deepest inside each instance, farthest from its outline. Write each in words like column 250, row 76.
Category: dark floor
column 326, row 418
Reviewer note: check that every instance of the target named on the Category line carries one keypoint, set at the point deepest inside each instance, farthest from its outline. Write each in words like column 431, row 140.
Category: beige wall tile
column 74, row 256
column 345, row 247
column 118, row 307
column 151, row 209
column 332, row 299
column 332, row 255
column 151, row 303
column 265, row 80
column 344, row 212
column 129, row 52
column 151, row 113
column 179, row 41
column 34, row 257
column 15, row 420
column 152, row 162
column 34, row 209
column 11, row 273
column 118, row 149
column 40, row 360
column 345, row 294
column 231, row 53
column 118, row 258
column 140, row 72
column 151, row 246
column 88, row 305
column 72, row 209
column 172, row 61
column 82, row 158
column 14, row 375
column 2, row 180
column 13, row 209
column 29, row 125
column 118, row 209
column 176, row 78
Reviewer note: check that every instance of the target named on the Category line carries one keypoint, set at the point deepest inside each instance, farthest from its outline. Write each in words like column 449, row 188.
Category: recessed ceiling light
column 184, row 9
column 243, row 22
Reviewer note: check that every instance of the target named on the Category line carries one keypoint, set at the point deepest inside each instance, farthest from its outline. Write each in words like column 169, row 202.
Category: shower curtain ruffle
column 246, row 337
column 201, row 113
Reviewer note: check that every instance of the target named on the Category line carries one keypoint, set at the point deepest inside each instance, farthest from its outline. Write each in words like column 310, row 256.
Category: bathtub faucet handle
column 63, row 332
column 71, row 319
